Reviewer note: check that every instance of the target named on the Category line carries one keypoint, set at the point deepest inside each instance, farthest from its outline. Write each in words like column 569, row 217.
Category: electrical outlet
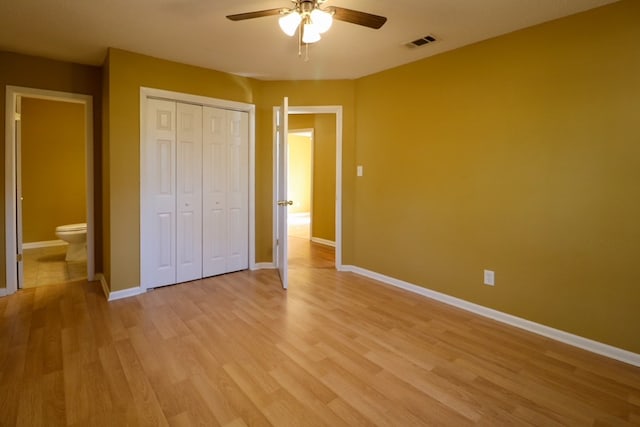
column 489, row 278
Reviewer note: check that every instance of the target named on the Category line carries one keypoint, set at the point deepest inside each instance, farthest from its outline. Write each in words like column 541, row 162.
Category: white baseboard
column 126, row 293
column 112, row 296
column 323, row 241
column 43, row 244
column 263, row 266
column 3, row 292
column 556, row 334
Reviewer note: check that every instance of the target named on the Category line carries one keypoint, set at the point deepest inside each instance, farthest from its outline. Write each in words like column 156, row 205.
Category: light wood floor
column 335, row 349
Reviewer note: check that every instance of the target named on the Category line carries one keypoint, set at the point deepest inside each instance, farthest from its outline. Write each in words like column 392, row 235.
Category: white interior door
column 189, row 192
column 214, row 157
column 159, row 193
column 18, row 166
column 282, row 132
column 225, row 191
column 237, row 191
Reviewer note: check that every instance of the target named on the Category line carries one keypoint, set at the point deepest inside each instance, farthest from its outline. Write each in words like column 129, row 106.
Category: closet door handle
column 285, row 202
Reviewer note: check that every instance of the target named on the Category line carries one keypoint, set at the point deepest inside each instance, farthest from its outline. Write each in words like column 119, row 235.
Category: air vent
column 422, row 41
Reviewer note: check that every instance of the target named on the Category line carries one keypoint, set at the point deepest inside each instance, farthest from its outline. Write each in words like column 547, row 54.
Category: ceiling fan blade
column 256, row 14
column 357, row 17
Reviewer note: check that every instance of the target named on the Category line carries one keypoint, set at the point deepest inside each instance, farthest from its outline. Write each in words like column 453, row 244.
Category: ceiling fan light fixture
column 322, row 20
column 310, row 33
column 289, row 22
column 309, row 20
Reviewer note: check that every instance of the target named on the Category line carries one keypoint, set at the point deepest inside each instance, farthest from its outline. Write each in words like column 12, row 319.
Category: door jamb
column 318, row 109
column 13, row 92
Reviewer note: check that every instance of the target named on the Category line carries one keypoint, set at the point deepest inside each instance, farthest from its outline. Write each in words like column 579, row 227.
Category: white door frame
column 12, row 222
column 319, row 109
column 145, row 93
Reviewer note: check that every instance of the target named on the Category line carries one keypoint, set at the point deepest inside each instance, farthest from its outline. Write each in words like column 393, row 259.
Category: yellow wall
column 53, row 167
column 520, row 154
column 126, row 73
column 324, row 177
column 32, row 72
column 299, row 178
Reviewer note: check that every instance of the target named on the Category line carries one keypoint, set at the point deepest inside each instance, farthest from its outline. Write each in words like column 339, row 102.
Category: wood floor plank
column 547, row 401
column 259, row 390
column 41, row 402
column 335, row 349
column 310, row 396
column 148, row 409
column 285, row 410
column 76, row 390
column 214, row 399
column 242, row 404
column 348, row 413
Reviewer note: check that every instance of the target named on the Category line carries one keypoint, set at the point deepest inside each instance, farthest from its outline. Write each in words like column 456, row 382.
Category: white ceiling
column 196, row 32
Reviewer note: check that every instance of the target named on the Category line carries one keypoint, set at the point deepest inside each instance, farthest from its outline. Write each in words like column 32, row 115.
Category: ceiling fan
column 312, row 20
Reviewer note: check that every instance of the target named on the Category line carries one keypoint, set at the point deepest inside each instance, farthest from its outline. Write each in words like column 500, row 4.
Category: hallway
column 303, row 253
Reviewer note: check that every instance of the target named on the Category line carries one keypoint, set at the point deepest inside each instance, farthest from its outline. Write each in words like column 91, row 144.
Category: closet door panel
column 214, row 158
column 237, row 191
column 215, row 248
column 189, row 192
column 158, row 212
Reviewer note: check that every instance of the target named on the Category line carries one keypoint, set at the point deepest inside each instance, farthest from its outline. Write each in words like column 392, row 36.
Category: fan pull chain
column 306, row 47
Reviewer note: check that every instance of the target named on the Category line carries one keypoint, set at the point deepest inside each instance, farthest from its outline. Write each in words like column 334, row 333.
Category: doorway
column 37, row 98
column 51, row 176
column 311, row 187
column 327, row 239
column 300, row 149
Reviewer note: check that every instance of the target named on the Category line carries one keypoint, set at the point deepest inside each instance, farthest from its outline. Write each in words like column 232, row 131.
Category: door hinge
column 16, row 116
column 18, row 257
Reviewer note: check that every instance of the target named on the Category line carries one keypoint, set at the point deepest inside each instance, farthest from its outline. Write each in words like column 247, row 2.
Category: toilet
column 76, row 237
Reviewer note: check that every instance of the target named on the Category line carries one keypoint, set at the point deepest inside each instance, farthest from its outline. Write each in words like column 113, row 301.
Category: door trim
column 318, row 109
column 11, row 227
column 147, row 92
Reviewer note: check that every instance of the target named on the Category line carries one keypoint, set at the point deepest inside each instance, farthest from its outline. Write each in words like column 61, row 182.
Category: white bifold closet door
column 194, row 220
column 188, row 192
column 225, row 186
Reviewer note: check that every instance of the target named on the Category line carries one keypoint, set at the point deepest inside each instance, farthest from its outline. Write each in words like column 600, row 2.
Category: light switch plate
column 359, row 170
column 489, row 278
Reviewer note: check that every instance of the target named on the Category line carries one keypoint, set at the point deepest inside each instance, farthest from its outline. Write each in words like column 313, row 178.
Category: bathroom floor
column 46, row 266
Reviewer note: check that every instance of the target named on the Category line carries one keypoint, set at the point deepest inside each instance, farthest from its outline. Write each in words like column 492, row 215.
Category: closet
column 194, row 192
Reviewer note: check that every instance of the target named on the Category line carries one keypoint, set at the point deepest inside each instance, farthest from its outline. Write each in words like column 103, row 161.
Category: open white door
column 282, row 131
column 18, row 166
